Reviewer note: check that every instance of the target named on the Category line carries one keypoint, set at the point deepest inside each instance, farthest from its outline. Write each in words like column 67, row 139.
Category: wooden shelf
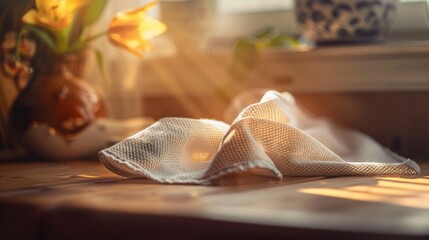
column 395, row 66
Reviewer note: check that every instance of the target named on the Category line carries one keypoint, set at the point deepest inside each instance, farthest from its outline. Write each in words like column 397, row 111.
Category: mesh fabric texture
column 273, row 137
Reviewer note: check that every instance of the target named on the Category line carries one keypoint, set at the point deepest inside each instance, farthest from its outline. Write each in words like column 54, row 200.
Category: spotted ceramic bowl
column 345, row 20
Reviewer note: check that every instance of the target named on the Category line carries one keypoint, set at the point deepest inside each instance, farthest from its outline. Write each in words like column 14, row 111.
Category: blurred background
column 195, row 69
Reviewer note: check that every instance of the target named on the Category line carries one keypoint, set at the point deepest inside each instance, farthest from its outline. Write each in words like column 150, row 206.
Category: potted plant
column 56, row 101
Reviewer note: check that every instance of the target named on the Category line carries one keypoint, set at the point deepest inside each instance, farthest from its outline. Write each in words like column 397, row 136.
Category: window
column 252, row 6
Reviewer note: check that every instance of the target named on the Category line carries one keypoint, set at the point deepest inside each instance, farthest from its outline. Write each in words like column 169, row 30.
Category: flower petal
column 45, row 6
column 30, row 17
column 132, row 46
column 151, row 27
column 54, row 14
column 54, row 25
column 132, row 29
column 70, row 6
column 139, row 10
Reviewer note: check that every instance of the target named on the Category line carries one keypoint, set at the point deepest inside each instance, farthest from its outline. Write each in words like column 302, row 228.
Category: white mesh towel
column 272, row 138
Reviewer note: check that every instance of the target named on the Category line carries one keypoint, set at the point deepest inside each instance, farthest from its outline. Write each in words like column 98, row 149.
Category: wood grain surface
column 83, row 200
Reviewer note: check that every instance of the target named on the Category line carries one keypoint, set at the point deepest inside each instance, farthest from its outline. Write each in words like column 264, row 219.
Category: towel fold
column 273, row 138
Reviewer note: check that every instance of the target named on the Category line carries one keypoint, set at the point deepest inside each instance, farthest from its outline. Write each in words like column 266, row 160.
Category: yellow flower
column 53, row 14
column 132, row 29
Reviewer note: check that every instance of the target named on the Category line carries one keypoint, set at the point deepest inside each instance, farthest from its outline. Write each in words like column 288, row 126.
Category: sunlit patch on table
column 407, row 192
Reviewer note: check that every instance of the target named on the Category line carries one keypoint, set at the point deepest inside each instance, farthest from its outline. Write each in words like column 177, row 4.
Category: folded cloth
column 272, row 138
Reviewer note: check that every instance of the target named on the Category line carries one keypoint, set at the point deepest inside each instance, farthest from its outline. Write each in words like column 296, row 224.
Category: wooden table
column 83, row 200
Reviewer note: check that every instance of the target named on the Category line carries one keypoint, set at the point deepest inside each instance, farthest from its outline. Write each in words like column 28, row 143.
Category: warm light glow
column 405, row 192
column 406, row 186
column 201, row 156
column 223, row 127
column 175, row 88
column 53, row 14
column 406, row 180
column 380, row 190
column 229, row 136
column 132, row 29
column 87, row 176
column 345, row 194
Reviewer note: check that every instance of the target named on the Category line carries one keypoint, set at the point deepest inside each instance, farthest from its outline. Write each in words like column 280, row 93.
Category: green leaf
column 283, row 41
column 76, row 47
column 44, row 36
column 93, row 11
column 264, row 33
column 101, row 66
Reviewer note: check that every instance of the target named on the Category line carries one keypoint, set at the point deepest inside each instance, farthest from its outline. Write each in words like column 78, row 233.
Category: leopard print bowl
column 345, row 20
